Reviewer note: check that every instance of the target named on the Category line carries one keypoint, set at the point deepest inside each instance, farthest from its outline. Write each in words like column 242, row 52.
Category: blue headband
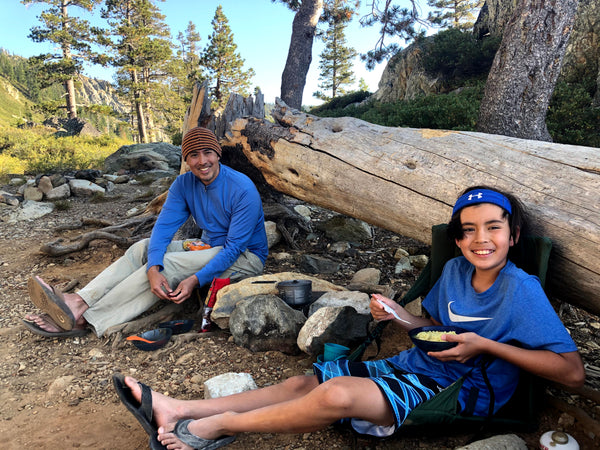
column 482, row 196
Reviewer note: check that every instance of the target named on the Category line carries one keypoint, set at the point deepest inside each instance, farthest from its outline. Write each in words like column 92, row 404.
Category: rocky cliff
column 91, row 91
column 404, row 77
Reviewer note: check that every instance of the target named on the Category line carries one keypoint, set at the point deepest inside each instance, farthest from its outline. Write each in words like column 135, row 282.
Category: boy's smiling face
column 486, row 237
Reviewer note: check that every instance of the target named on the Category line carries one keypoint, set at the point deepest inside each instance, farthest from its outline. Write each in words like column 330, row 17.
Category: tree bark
column 70, row 98
column 525, row 69
column 299, row 56
column 406, row 180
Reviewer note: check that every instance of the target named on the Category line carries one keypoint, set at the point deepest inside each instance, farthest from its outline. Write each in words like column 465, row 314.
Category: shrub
column 571, row 118
column 458, row 56
column 38, row 150
column 454, row 111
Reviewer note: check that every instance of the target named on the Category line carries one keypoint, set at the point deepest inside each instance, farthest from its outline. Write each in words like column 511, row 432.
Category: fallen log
column 406, row 180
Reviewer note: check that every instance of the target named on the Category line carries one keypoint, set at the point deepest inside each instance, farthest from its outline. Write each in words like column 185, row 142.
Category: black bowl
column 433, row 346
column 156, row 339
column 178, row 326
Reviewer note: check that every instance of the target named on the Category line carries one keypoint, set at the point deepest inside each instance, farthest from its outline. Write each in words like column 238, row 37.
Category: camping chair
column 520, row 412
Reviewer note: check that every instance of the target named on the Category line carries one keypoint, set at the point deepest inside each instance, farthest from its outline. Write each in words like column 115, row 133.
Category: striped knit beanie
column 197, row 139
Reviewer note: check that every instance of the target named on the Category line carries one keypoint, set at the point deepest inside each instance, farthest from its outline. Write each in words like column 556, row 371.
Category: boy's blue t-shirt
column 514, row 310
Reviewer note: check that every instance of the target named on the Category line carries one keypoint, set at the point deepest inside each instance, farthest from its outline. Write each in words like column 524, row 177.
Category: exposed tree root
column 134, row 230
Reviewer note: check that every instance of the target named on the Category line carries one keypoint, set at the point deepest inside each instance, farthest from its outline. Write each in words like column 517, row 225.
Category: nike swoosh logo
column 459, row 318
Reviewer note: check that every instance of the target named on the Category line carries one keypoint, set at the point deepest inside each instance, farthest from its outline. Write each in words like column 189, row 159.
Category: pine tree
column 72, row 36
column 336, row 58
column 454, row 13
column 138, row 37
column 186, row 69
column 222, row 65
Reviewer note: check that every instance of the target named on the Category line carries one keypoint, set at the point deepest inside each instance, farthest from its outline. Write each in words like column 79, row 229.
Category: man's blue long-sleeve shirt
column 228, row 210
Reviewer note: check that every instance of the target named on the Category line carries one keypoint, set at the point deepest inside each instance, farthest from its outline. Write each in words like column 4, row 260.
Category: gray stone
column 33, row 193
column 332, row 324
column 418, row 261
column 264, row 323
column 273, row 235
column 303, row 210
column 29, row 210
column 402, row 265
column 342, row 228
column 138, row 157
column 228, row 384
column 17, row 181
column 84, row 188
column 122, row 179
column 370, row 275
column 357, row 300
column 500, row 442
column 400, row 253
column 9, row 199
column 318, row 264
column 59, row 193
column 339, row 247
column 45, row 185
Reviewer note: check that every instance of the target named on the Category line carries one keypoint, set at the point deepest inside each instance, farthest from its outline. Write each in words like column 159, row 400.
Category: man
column 225, row 205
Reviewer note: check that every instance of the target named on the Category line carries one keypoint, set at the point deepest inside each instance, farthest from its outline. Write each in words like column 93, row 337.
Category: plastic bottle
column 558, row 440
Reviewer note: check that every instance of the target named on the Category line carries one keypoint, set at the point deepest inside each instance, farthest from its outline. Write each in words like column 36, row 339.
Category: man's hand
column 158, row 283
column 184, row 289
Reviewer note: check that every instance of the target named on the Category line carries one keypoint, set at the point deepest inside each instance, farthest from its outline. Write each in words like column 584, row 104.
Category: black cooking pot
column 295, row 292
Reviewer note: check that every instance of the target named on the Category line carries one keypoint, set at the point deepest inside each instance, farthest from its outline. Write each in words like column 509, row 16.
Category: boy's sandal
column 182, row 433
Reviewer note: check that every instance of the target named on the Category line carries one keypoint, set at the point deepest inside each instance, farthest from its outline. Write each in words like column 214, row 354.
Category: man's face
column 204, row 164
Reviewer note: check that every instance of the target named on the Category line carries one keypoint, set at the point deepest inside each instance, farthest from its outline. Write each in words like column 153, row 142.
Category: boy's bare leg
column 338, row 398
column 168, row 410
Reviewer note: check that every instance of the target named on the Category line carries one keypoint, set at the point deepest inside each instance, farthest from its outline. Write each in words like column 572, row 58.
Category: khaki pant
column 122, row 292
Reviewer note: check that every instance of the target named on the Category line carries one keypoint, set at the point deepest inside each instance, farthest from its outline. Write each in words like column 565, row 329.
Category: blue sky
column 262, row 31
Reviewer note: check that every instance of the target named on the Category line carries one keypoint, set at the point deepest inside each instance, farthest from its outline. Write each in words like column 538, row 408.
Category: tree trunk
column 525, row 69
column 407, row 180
column 299, row 56
column 70, row 98
column 139, row 108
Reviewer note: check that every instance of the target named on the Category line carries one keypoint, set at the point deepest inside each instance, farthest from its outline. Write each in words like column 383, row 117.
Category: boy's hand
column 469, row 346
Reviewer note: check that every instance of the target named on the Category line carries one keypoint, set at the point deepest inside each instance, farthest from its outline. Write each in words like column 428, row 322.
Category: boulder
column 342, row 325
column 138, row 157
column 59, row 193
column 84, row 188
column 33, row 193
column 342, row 228
column 357, row 300
column 318, row 264
column 229, row 296
column 29, row 210
column 265, row 322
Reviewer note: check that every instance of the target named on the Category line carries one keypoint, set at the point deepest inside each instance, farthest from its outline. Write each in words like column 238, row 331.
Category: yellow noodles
column 433, row 336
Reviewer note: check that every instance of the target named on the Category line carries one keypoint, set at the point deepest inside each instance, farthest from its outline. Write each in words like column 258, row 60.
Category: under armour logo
column 472, row 196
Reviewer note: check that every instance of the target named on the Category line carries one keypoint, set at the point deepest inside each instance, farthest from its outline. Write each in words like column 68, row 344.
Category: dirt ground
column 57, row 393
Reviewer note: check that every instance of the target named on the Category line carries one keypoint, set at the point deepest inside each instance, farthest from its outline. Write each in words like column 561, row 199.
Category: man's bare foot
column 73, row 301
column 45, row 322
column 165, row 409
